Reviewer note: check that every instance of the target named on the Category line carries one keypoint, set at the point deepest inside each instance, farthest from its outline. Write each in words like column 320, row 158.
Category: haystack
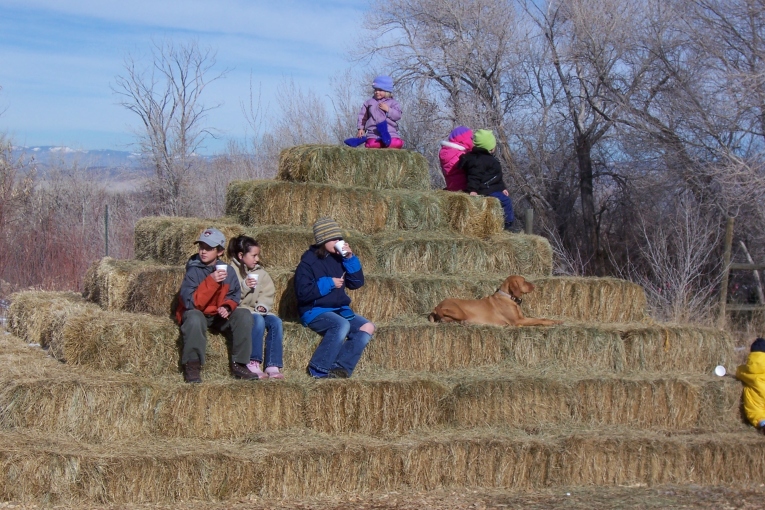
column 363, row 209
column 58, row 470
column 343, row 166
column 439, row 252
column 171, row 240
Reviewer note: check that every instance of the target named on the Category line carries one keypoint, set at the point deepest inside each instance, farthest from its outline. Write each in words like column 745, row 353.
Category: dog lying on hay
column 503, row 308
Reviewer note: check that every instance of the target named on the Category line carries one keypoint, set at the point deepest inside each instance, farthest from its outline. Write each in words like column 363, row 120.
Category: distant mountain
column 48, row 156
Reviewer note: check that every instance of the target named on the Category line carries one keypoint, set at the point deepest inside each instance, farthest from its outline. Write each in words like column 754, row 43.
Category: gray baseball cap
column 212, row 237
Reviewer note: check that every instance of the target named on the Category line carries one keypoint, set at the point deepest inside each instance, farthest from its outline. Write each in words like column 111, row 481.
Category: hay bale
column 442, row 252
column 586, row 299
column 171, row 240
column 39, row 317
column 449, row 254
column 363, row 209
column 651, row 401
column 666, row 346
column 344, row 166
column 375, row 408
column 133, row 286
column 55, row 470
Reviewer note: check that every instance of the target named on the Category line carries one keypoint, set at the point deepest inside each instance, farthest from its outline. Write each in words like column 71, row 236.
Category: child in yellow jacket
column 752, row 374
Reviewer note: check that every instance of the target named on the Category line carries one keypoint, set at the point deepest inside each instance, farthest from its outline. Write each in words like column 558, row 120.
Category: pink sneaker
column 273, row 373
column 254, row 367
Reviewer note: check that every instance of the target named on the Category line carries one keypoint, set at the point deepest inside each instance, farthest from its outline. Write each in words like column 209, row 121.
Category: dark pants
column 237, row 328
column 507, row 206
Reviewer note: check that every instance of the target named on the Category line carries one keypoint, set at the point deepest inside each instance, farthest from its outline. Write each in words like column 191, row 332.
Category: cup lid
column 720, row 370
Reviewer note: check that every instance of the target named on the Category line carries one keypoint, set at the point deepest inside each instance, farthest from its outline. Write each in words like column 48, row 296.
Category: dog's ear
column 518, row 285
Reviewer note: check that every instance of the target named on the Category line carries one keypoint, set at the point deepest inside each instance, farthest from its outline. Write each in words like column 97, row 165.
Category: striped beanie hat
column 326, row 229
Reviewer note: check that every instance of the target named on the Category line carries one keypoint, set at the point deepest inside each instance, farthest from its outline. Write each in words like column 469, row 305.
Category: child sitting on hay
column 460, row 141
column 258, row 297
column 378, row 118
column 752, row 374
column 209, row 299
column 324, row 271
column 484, row 172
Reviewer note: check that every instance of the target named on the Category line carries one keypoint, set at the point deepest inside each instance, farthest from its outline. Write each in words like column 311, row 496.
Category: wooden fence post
column 726, row 272
column 529, row 221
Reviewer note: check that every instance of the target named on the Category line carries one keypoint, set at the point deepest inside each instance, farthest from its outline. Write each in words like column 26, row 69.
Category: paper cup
column 720, row 370
column 339, row 247
column 252, row 277
column 221, row 267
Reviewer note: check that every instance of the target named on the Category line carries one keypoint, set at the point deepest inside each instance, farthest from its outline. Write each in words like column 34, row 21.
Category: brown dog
column 500, row 309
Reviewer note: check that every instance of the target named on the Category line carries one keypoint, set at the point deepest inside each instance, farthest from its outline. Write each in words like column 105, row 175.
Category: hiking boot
column 240, row 371
column 191, row 372
column 338, row 373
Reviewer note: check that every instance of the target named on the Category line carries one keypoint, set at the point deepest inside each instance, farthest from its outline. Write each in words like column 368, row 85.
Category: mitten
column 382, row 128
column 355, row 142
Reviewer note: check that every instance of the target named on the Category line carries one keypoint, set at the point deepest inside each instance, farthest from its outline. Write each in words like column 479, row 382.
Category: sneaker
column 240, row 371
column 274, row 373
column 254, row 367
column 338, row 373
column 191, row 372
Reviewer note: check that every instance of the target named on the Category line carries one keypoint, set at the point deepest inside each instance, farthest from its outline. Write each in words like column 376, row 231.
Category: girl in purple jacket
column 379, row 116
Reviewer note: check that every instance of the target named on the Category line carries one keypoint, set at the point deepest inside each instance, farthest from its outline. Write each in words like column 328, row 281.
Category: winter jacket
column 450, row 153
column 484, row 173
column 201, row 292
column 752, row 374
column 370, row 115
column 314, row 289
column 263, row 293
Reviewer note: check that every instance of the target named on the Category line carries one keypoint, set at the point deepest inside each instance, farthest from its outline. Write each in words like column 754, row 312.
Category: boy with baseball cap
column 209, row 299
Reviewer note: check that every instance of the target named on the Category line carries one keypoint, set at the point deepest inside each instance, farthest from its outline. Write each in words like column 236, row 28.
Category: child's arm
column 394, row 110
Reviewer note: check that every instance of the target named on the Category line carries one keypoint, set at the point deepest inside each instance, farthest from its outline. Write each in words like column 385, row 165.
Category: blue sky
column 58, row 59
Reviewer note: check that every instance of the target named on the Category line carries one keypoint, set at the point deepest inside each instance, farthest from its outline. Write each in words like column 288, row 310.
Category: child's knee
column 368, row 328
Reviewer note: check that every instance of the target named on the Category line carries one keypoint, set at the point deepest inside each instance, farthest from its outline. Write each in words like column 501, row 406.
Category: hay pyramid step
column 171, row 241
column 100, row 406
column 150, row 288
column 369, row 210
column 62, row 471
column 81, row 333
column 343, row 166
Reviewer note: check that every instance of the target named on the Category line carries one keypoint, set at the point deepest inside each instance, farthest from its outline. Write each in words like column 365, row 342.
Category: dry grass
column 170, row 240
column 366, row 210
column 438, row 252
column 149, row 346
column 144, row 287
column 55, row 470
column 665, row 403
column 343, row 166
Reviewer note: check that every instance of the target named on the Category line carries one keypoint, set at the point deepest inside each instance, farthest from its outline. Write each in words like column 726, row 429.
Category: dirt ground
column 587, row 498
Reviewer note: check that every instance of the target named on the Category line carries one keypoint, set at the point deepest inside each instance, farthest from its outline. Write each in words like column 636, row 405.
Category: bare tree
column 167, row 97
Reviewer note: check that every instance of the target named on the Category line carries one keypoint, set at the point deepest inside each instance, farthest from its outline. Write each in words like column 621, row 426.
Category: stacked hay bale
column 606, row 398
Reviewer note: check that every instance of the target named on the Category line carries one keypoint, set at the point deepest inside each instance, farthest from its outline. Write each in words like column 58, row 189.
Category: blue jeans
column 507, row 205
column 272, row 323
column 334, row 351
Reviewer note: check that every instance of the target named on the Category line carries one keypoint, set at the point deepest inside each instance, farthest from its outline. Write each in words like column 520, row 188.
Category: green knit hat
column 326, row 229
column 484, row 139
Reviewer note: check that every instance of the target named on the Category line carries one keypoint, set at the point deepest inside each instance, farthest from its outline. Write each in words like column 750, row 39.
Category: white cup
column 253, row 278
column 221, row 267
column 340, row 248
column 720, row 370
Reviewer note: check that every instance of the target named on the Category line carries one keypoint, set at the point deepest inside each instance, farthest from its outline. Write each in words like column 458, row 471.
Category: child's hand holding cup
column 342, row 248
column 221, row 271
column 252, row 280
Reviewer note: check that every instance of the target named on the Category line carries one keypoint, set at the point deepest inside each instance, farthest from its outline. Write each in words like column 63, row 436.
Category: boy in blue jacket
column 324, row 271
